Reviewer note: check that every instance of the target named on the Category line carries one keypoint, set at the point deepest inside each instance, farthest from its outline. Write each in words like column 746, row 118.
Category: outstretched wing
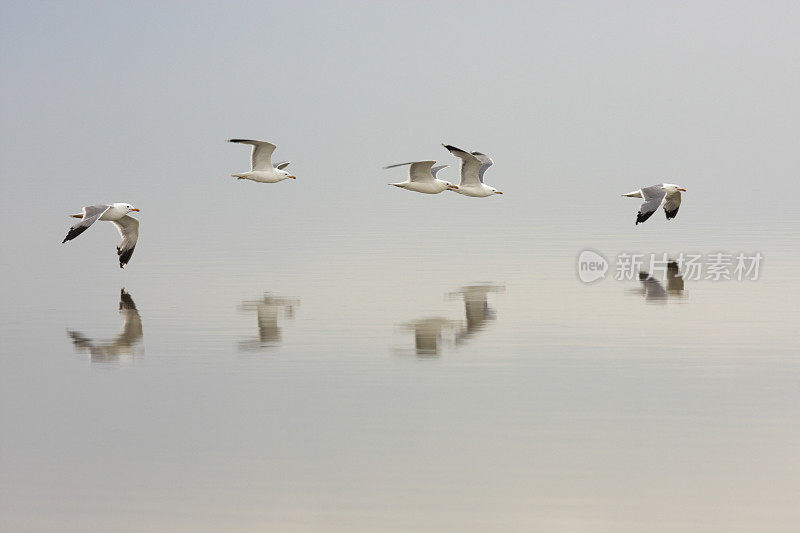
column 128, row 228
column 420, row 171
column 282, row 165
column 653, row 196
column 261, row 158
column 470, row 166
column 486, row 162
column 91, row 214
column 671, row 204
column 435, row 170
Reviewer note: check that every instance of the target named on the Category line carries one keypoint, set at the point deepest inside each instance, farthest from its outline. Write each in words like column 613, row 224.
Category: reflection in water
column 476, row 307
column 268, row 309
column 428, row 333
column 123, row 344
column 654, row 292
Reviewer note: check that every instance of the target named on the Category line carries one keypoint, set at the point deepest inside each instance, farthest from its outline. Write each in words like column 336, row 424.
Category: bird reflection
column 428, row 334
column 123, row 345
column 268, row 309
column 476, row 307
column 654, row 292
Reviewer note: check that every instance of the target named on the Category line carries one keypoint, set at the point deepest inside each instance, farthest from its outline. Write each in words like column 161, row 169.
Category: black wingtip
column 671, row 214
column 452, row 148
column 641, row 218
column 74, row 232
column 124, row 256
column 477, row 153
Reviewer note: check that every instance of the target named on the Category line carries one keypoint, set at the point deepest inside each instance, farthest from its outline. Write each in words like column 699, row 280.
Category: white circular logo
column 591, row 266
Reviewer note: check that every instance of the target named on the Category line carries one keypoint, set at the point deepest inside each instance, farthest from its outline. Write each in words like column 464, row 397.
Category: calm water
column 397, row 378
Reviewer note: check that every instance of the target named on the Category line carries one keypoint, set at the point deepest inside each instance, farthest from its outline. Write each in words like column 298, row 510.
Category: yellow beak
column 684, row 190
column 134, row 209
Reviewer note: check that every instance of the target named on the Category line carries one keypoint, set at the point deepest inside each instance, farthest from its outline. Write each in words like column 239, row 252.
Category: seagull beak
column 134, row 209
column 293, row 177
column 452, row 187
column 498, row 192
column 684, row 190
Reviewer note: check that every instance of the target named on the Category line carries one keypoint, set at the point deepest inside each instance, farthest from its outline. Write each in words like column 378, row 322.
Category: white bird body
column 422, row 178
column 261, row 168
column 667, row 195
column 473, row 166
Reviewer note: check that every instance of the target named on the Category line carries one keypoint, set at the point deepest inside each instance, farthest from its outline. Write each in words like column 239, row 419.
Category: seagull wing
column 470, row 166
column 672, row 202
column 128, row 228
column 261, row 158
column 420, row 171
column 91, row 214
column 435, row 170
column 282, row 165
column 653, row 196
column 486, row 162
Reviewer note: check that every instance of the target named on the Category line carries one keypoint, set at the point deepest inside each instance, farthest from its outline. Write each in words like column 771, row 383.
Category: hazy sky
column 577, row 102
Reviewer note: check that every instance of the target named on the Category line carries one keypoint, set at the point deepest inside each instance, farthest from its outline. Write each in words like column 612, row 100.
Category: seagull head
column 495, row 191
column 286, row 175
column 126, row 207
column 671, row 187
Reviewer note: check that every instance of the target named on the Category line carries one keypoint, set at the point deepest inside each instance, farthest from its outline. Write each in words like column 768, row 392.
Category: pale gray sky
column 577, row 102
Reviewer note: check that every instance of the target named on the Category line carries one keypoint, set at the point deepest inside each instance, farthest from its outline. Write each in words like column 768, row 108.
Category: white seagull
column 422, row 177
column 667, row 193
column 261, row 167
column 127, row 226
column 473, row 166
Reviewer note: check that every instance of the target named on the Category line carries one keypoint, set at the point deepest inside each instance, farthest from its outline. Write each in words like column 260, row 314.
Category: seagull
column 473, row 166
column 127, row 226
column 261, row 167
column 422, row 177
column 122, row 344
column 668, row 193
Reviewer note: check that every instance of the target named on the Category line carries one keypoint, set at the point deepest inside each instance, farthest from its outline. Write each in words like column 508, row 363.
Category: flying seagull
column 422, row 177
column 127, row 226
column 668, row 193
column 261, row 167
column 473, row 166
